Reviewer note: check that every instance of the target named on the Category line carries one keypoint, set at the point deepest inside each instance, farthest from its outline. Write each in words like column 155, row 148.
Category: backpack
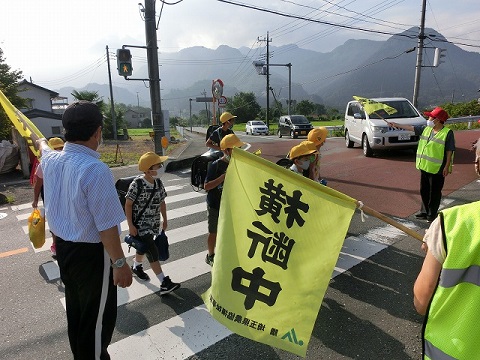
column 123, row 184
column 210, row 130
column 200, row 168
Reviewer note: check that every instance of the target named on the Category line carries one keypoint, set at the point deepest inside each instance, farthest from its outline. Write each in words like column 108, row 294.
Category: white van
column 372, row 131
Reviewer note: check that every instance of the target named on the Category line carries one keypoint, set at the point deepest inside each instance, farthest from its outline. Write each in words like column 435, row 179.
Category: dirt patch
column 127, row 152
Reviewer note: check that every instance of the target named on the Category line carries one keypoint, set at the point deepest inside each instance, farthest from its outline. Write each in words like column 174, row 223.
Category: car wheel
column 292, row 134
column 279, row 133
column 367, row 150
column 349, row 143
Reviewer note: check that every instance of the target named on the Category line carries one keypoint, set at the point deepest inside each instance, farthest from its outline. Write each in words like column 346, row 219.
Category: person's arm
column 163, row 212
column 37, row 187
column 129, row 214
column 42, row 145
column 446, row 169
column 400, row 126
column 210, row 145
column 111, row 242
column 426, row 283
column 209, row 185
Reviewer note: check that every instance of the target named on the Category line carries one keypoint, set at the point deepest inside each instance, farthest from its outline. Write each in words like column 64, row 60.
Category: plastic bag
column 161, row 241
column 36, row 228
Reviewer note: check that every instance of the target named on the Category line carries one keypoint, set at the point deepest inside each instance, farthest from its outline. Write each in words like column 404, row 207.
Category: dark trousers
column 91, row 298
column 431, row 186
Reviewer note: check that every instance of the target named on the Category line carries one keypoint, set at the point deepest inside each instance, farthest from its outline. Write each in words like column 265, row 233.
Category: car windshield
column 299, row 119
column 404, row 110
column 258, row 123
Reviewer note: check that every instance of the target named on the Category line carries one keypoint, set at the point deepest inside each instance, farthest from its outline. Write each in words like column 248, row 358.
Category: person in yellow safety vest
column 318, row 136
column 447, row 289
column 434, row 159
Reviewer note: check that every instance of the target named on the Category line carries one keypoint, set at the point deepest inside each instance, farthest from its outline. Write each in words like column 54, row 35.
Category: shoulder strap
column 139, row 216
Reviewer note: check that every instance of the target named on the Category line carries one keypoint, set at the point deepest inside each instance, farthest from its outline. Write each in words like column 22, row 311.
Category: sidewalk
column 14, row 186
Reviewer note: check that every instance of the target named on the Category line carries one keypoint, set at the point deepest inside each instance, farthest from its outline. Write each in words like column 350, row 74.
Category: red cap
column 437, row 113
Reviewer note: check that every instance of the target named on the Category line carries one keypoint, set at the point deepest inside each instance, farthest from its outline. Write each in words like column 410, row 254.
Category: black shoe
column 421, row 215
column 140, row 273
column 209, row 259
column 431, row 218
column 168, row 286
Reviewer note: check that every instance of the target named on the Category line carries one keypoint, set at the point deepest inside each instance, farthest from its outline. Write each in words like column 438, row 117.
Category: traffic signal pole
column 154, row 75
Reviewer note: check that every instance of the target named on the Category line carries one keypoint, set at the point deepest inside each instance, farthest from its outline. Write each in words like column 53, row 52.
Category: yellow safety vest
column 453, row 317
column 430, row 153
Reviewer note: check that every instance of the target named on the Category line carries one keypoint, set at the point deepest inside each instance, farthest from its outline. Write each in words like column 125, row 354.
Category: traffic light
column 437, row 58
column 124, row 62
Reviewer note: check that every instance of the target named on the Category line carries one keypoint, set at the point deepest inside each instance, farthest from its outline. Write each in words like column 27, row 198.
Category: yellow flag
column 279, row 238
column 23, row 124
column 371, row 106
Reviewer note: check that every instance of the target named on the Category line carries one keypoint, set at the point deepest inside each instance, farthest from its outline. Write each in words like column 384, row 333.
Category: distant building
column 40, row 110
column 134, row 119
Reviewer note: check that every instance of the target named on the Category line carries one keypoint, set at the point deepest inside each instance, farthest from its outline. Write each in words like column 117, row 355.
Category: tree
column 244, row 106
column 305, row 107
column 91, row 96
column 462, row 109
column 8, row 84
column 108, row 123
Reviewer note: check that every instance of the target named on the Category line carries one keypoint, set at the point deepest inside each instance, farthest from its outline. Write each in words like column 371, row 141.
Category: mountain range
column 365, row 68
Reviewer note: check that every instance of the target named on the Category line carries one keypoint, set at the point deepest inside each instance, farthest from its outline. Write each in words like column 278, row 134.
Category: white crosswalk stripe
column 194, row 330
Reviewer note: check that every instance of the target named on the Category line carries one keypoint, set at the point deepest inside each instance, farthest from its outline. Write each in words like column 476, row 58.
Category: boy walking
column 214, row 186
column 143, row 206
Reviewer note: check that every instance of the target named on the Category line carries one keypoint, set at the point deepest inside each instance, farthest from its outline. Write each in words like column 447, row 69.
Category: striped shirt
column 80, row 195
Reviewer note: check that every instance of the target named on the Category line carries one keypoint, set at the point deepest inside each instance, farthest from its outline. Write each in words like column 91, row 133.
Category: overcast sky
column 62, row 42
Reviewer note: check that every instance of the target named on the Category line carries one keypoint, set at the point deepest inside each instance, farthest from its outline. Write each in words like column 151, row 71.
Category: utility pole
column 153, row 75
column 418, row 66
column 112, row 114
column 268, row 40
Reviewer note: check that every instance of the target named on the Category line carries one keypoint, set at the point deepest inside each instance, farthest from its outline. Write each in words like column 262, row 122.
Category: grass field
column 127, row 152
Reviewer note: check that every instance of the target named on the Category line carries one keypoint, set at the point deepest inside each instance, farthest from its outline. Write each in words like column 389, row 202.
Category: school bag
column 200, row 167
column 210, row 130
column 123, row 184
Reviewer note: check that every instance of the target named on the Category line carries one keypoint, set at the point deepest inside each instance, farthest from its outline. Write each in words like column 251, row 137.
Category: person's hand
column 132, row 230
column 445, row 171
column 35, row 203
column 122, row 276
column 164, row 225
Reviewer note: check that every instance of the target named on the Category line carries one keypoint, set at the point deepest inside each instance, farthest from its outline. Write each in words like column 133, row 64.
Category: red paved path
column 389, row 182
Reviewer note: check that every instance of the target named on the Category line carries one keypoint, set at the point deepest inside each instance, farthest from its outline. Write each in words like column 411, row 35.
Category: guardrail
column 468, row 119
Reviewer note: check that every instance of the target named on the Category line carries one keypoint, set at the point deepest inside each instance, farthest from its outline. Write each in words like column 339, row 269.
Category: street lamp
column 262, row 70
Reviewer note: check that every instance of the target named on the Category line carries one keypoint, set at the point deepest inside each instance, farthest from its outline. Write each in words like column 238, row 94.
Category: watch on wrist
column 118, row 263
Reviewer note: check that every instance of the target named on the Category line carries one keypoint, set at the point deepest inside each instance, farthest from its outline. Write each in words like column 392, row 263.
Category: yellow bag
column 36, row 228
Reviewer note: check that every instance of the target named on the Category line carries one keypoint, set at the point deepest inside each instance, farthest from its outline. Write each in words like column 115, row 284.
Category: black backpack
column 200, row 168
column 123, row 184
column 210, row 130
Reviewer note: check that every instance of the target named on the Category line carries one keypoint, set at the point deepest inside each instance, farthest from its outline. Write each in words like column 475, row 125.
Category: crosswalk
column 194, row 330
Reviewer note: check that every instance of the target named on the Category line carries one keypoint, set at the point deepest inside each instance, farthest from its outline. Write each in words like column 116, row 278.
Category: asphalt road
column 367, row 312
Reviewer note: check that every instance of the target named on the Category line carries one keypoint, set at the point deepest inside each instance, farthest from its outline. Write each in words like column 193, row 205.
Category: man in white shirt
column 84, row 213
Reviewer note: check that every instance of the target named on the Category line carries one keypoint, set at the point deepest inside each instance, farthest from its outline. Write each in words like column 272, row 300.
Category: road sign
column 222, row 101
column 204, row 99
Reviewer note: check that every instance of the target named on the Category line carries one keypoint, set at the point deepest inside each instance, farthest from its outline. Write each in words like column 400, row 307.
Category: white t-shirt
column 434, row 240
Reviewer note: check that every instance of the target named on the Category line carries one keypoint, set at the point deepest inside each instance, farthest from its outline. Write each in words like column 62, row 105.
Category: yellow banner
column 278, row 240
column 23, row 124
column 371, row 106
